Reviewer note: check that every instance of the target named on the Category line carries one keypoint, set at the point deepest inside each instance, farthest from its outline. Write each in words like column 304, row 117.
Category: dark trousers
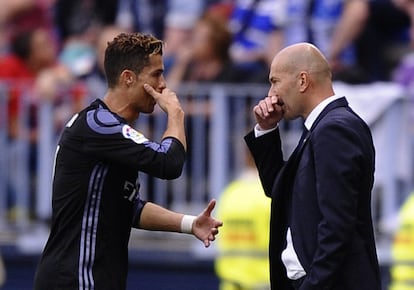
column 296, row 283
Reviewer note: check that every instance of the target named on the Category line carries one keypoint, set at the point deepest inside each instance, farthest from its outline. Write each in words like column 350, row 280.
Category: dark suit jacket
column 326, row 188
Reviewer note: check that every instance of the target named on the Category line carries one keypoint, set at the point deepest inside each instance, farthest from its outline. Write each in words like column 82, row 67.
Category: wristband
column 187, row 224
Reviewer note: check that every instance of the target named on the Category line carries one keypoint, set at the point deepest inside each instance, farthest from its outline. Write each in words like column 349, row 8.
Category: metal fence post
column 46, row 149
column 219, row 137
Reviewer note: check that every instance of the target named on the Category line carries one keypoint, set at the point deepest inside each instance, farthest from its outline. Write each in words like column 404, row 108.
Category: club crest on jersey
column 134, row 135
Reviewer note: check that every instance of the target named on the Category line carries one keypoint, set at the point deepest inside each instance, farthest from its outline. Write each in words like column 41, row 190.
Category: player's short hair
column 129, row 51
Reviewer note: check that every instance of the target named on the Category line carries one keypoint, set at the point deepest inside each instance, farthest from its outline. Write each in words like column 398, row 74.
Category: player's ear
column 127, row 77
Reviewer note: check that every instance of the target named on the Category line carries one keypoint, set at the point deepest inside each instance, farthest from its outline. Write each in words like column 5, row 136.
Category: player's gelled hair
column 129, row 51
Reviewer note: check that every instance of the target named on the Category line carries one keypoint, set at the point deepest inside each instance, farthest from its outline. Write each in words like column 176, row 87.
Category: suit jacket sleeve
column 267, row 154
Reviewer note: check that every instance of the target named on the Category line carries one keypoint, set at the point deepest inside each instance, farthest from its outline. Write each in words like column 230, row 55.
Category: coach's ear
column 303, row 81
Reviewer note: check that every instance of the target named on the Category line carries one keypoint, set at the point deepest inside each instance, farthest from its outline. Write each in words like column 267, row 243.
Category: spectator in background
column 95, row 81
column 146, row 15
column 333, row 26
column 402, row 73
column 75, row 18
column 402, row 249
column 32, row 64
column 407, row 7
column 9, row 9
column 180, row 18
column 31, row 73
column 242, row 261
column 170, row 20
column 385, row 40
column 16, row 15
column 77, row 23
column 256, row 26
column 206, row 57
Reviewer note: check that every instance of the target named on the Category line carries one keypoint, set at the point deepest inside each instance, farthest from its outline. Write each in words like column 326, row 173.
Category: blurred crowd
column 206, row 40
column 54, row 49
column 50, row 44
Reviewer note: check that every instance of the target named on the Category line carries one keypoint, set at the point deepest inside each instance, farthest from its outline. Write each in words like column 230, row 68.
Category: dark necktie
column 301, row 141
column 291, row 165
column 303, row 136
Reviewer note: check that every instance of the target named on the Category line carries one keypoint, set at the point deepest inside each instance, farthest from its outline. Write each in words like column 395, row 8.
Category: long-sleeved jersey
column 95, row 200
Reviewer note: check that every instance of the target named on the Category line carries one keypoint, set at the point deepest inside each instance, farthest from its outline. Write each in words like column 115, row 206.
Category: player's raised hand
column 167, row 99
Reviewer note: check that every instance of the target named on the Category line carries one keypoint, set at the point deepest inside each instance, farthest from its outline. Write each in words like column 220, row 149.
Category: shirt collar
column 317, row 110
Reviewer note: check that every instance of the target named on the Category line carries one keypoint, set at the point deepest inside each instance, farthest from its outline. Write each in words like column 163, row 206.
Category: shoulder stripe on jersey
column 89, row 228
column 103, row 122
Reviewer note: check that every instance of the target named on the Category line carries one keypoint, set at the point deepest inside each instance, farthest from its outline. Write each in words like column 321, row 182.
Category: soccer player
column 96, row 199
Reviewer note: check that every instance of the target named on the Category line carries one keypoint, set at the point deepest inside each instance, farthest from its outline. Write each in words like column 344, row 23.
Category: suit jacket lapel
column 282, row 182
column 341, row 102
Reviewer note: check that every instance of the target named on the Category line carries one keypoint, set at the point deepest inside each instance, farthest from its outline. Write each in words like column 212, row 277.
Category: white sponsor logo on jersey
column 133, row 134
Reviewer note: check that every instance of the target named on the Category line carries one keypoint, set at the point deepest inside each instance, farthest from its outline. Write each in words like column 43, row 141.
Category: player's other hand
column 205, row 227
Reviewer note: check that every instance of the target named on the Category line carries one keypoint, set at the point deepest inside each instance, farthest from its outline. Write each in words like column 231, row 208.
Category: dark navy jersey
column 96, row 201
